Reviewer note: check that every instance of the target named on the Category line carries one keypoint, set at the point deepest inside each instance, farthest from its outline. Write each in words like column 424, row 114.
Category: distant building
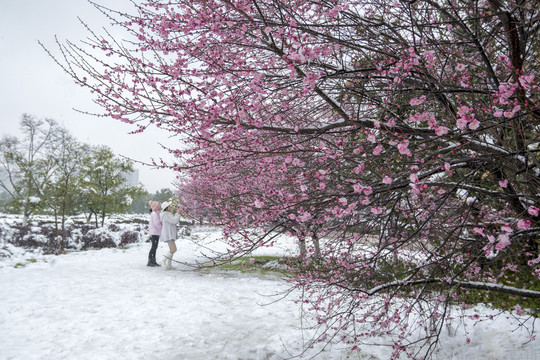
column 132, row 178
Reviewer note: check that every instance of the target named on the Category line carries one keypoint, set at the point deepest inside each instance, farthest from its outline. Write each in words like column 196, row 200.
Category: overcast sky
column 30, row 82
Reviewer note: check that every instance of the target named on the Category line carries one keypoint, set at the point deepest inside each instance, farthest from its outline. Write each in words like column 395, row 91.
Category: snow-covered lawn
column 107, row 304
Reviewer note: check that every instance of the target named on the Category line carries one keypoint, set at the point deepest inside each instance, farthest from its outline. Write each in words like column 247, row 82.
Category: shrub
column 129, row 237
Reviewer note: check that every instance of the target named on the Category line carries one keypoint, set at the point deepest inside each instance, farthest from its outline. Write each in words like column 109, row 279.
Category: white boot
column 166, row 259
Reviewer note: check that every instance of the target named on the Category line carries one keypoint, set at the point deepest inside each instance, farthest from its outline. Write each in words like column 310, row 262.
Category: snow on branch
column 463, row 284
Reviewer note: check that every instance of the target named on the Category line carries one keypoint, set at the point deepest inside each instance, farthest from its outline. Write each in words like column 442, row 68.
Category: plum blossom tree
column 404, row 135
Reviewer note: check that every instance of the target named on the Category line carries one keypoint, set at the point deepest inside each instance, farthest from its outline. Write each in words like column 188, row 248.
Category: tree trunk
column 317, row 246
column 302, row 244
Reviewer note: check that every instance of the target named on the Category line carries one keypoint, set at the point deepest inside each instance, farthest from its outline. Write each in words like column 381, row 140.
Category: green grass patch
column 264, row 265
column 28, row 261
column 507, row 302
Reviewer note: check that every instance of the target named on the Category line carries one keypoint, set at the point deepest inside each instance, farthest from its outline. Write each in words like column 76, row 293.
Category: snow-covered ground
column 107, row 304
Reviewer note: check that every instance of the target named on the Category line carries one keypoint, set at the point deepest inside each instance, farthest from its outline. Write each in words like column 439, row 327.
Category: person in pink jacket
column 154, row 227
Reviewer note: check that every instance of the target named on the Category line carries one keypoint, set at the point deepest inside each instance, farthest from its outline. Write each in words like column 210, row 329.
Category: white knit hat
column 165, row 205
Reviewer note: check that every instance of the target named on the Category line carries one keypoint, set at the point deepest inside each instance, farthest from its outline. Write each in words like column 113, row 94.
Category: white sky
column 30, row 82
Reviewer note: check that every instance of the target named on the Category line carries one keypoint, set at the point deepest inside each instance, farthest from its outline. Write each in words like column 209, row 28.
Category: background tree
column 140, row 203
column 63, row 195
column 104, row 187
column 405, row 134
column 27, row 166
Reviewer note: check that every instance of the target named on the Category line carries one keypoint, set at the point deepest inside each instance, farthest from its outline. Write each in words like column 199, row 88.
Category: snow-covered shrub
column 41, row 234
column 5, row 252
column 35, row 237
column 113, row 227
column 97, row 239
column 129, row 237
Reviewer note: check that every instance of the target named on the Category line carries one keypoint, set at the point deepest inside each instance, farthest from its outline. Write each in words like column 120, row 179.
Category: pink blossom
column 474, row 124
column 441, row 130
column 403, row 148
column 419, row 117
column 297, row 162
column 413, row 178
column 359, row 168
column 368, row 190
column 343, row 201
column 524, row 224
column 371, row 138
column 504, row 241
column 447, row 166
column 357, row 188
column 461, row 123
column 376, row 210
column 463, row 110
column 498, row 113
column 258, row 204
column 533, row 211
column 506, row 91
column 503, row 183
column 416, row 102
column 387, row 180
column 430, row 58
column 508, row 114
column 534, row 262
column 378, row 149
column 507, row 229
column 479, row 231
column 526, row 81
column 305, row 217
column 288, row 159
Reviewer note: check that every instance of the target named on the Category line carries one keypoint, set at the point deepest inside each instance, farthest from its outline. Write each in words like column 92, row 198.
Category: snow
column 107, row 304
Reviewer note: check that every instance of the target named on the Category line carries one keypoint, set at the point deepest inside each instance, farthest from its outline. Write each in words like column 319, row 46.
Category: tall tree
column 405, row 133
column 26, row 163
column 104, row 186
column 64, row 191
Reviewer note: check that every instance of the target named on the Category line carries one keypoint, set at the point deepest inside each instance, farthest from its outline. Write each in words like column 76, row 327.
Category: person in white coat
column 169, row 232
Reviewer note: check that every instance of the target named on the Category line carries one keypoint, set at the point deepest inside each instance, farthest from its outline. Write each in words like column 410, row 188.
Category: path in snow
column 108, row 304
